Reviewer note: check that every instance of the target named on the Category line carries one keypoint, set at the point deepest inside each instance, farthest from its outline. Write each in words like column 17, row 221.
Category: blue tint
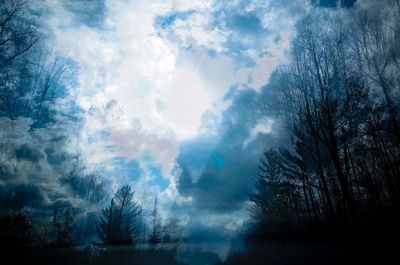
column 218, row 160
column 164, row 22
column 158, row 179
column 125, row 167
column 246, row 23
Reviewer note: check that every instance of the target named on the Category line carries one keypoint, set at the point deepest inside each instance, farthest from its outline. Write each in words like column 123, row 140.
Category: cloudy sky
column 174, row 97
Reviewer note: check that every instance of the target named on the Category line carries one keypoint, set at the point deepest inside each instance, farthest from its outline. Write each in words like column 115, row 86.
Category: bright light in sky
column 185, row 100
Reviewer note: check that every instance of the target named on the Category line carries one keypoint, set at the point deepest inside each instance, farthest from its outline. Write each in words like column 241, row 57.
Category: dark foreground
column 285, row 253
column 94, row 255
column 272, row 253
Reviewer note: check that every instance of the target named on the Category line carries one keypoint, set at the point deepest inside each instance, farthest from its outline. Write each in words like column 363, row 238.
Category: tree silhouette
column 117, row 224
column 156, row 229
column 16, row 232
column 339, row 101
column 63, row 220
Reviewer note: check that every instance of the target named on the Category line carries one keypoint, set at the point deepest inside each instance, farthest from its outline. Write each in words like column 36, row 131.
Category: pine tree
column 117, row 224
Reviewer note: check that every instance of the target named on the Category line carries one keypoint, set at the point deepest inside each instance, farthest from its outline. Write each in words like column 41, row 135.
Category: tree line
column 339, row 102
column 117, row 224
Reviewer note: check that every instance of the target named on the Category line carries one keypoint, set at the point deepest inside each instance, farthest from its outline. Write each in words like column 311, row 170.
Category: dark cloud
column 185, row 181
column 35, row 163
column 29, row 153
column 219, row 176
column 334, row 3
column 16, row 197
column 196, row 152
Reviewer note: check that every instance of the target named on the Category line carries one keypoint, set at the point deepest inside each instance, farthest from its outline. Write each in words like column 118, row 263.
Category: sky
column 173, row 95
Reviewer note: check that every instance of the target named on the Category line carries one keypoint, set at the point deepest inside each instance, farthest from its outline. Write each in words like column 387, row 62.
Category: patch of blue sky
column 247, row 32
column 151, row 167
column 163, row 22
column 92, row 140
column 247, row 23
column 101, row 135
column 236, row 50
column 126, row 168
column 231, row 93
column 157, row 177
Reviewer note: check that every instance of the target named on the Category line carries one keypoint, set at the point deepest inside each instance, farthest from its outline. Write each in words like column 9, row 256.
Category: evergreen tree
column 117, row 224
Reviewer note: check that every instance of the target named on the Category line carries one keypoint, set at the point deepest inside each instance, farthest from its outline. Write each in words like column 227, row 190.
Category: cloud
column 334, row 3
column 264, row 127
column 33, row 163
column 173, row 82
column 29, row 153
column 18, row 196
column 224, row 168
column 161, row 72
column 141, row 72
column 217, row 171
column 245, row 24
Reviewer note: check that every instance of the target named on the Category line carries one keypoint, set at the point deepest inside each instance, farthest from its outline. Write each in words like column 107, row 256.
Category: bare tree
column 339, row 100
column 17, row 35
column 156, row 228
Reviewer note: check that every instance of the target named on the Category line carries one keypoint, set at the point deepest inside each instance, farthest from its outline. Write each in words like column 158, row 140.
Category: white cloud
column 262, row 127
column 139, row 99
column 150, row 77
